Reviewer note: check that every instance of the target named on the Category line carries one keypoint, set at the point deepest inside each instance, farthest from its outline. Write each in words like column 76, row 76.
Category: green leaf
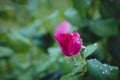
column 82, row 6
column 67, row 77
column 21, row 2
column 5, row 52
column 72, row 15
column 99, row 71
column 21, row 61
column 104, row 28
column 89, row 50
column 17, row 42
column 79, row 68
column 76, row 70
column 45, row 63
column 28, row 75
column 54, row 51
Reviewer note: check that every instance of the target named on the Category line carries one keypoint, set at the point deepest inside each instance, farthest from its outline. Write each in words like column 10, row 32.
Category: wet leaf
column 89, row 50
column 99, row 71
column 68, row 77
column 79, row 69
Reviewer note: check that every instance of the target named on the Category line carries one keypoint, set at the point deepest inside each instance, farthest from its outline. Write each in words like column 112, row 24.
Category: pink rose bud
column 70, row 44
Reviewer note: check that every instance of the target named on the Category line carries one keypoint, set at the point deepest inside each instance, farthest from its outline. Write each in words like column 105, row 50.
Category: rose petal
column 64, row 40
column 64, row 27
column 75, row 44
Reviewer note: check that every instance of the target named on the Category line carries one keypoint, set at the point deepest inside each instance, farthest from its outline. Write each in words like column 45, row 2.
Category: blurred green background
column 28, row 50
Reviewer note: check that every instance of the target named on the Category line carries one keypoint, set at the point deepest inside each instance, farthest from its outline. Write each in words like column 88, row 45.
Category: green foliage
column 79, row 68
column 72, row 15
column 104, row 28
column 17, row 42
column 89, row 50
column 67, row 77
column 100, row 71
column 5, row 52
column 82, row 7
column 94, row 70
column 20, row 2
column 28, row 50
column 80, row 63
column 76, row 71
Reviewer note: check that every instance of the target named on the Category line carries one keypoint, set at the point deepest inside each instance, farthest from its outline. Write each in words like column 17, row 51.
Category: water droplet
column 76, row 64
column 85, row 50
column 95, row 43
column 105, row 72
column 105, row 65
